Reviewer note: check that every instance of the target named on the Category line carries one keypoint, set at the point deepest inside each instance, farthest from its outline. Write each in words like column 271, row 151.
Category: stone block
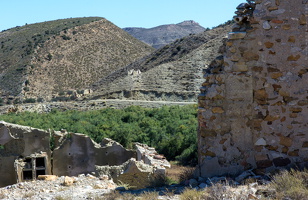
column 47, row 177
column 302, row 20
column 293, row 58
column 281, row 162
column 250, row 56
column 218, row 110
column 236, row 35
column 285, row 141
column 291, row 39
column 260, row 142
column 276, row 75
column 240, row 67
column 269, row 44
column 266, row 25
column 264, row 163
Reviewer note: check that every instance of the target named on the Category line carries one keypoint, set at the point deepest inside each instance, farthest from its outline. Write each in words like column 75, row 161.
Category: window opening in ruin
column 40, row 172
column 27, row 175
column 28, row 163
column 1, row 146
column 40, row 162
column 30, row 167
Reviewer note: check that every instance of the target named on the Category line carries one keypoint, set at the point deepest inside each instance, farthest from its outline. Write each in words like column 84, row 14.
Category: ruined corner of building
column 253, row 105
column 26, row 153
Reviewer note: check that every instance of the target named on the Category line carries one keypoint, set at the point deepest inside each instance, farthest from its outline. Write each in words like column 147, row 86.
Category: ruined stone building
column 253, row 106
column 25, row 153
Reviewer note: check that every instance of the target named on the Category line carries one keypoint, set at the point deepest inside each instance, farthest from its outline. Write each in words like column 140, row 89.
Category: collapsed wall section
column 18, row 145
column 253, row 105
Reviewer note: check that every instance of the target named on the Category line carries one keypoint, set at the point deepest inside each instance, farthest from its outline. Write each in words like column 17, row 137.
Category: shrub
column 49, row 57
column 64, row 37
column 291, row 184
column 30, row 100
column 172, row 130
column 191, row 194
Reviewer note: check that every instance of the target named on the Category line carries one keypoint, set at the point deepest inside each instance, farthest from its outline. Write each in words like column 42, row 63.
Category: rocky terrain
column 91, row 187
column 172, row 73
column 42, row 60
column 162, row 35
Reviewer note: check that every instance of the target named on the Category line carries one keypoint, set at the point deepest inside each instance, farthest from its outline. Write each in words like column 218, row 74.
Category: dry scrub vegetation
column 287, row 185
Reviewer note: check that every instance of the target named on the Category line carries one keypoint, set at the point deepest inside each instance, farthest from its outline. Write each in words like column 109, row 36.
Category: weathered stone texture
column 259, row 120
column 19, row 142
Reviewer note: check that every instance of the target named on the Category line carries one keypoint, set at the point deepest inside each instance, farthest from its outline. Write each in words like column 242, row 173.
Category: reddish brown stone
column 302, row 103
column 276, row 87
column 273, row 8
column 270, row 118
column 269, row 44
column 222, row 141
column 281, row 162
column 205, row 133
column 283, row 119
column 293, row 153
column 286, row 26
column 305, row 144
column 284, row 93
column 261, row 94
column 271, row 148
column 261, row 157
column 285, row 150
column 285, row 141
column 293, row 58
column 276, row 75
column 272, row 69
column 272, row 52
column 293, row 115
column 278, row 103
column 264, row 163
column 248, row 56
column 213, row 118
column 218, row 110
column 296, row 109
column 302, row 20
column 277, row 21
column 209, row 153
column 257, row 69
column 291, row 39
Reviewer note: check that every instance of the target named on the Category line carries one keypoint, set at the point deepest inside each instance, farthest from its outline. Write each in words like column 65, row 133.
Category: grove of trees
column 172, row 130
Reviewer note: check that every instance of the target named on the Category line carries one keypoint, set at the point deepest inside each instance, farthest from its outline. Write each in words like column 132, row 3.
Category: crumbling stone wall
column 253, row 106
column 25, row 154
column 18, row 143
column 81, row 154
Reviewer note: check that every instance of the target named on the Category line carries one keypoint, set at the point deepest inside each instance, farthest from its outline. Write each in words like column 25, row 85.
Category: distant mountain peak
column 160, row 36
column 188, row 22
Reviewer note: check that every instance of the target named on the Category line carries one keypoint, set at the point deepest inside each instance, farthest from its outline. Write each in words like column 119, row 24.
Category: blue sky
column 123, row 13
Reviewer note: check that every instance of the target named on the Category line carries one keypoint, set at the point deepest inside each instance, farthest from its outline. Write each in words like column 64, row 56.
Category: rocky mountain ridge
column 41, row 61
column 160, row 36
column 172, row 73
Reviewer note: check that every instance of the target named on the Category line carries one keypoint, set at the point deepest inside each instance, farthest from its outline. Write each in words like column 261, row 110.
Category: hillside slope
column 44, row 59
column 172, row 73
column 162, row 35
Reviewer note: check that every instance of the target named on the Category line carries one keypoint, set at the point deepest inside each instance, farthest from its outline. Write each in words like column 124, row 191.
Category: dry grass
column 291, row 185
column 179, row 173
column 148, row 196
column 190, row 194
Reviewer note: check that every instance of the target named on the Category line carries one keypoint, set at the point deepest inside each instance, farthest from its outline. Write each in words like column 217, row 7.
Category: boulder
column 135, row 174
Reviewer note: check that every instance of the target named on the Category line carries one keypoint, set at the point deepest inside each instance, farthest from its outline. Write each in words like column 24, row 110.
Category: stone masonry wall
column 253, row 106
